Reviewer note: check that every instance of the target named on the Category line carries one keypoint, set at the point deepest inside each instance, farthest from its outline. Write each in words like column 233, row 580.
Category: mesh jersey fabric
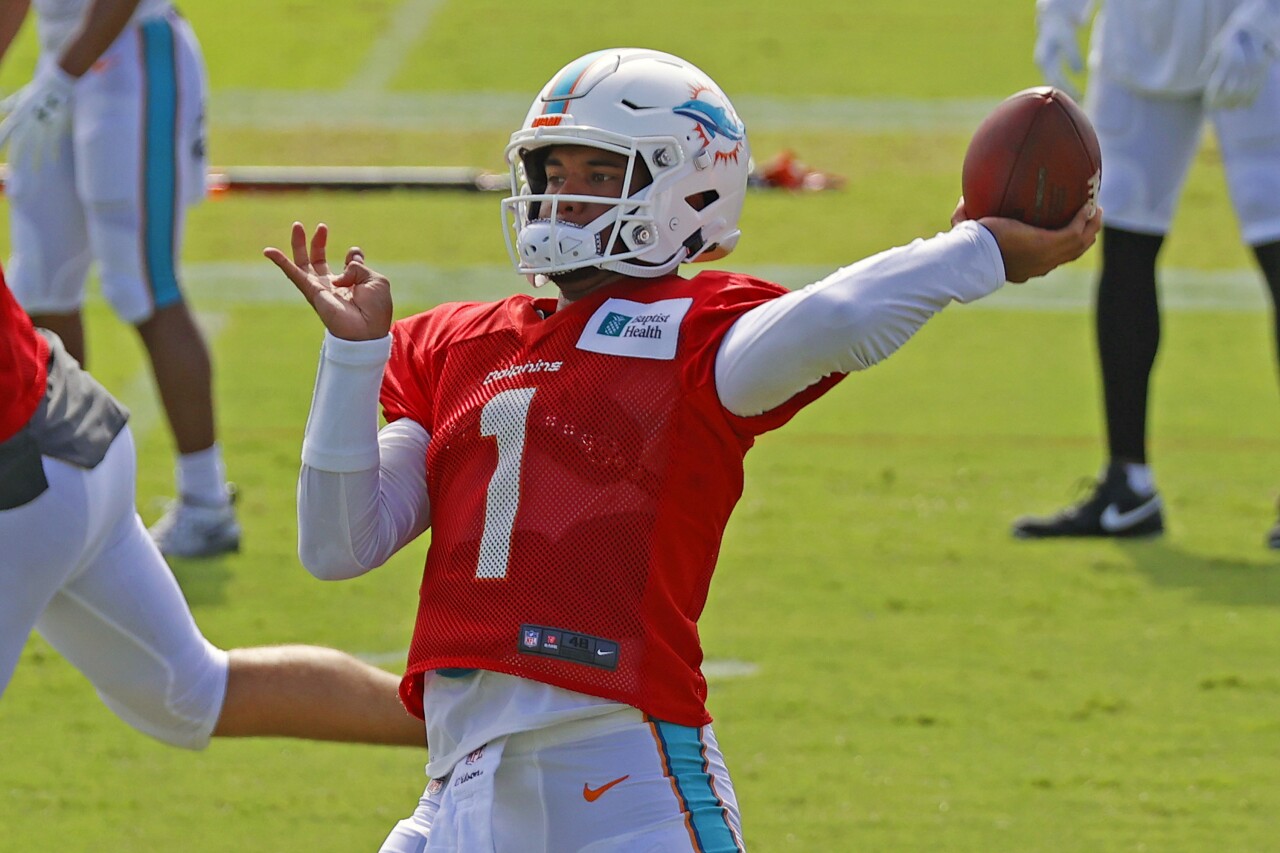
column 575, row 490
column 23, row 361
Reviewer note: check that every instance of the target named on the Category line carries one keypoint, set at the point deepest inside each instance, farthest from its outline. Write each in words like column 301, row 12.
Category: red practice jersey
column 24, row 357
column 581, row 472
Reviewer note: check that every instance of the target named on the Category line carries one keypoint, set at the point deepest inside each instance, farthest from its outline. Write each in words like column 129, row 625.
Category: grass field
column 909, row 677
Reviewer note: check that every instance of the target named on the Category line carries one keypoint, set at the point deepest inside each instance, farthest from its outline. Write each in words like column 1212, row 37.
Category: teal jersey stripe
column 683, row 750
column 160, row 163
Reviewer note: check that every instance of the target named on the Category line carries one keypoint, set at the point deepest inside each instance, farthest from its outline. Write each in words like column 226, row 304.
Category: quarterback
column 577, row 456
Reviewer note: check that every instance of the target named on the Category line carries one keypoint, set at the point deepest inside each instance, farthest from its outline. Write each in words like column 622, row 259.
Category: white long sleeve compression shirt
column 362, row 493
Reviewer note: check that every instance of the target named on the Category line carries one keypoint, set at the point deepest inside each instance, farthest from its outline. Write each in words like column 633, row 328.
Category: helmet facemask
column 543, row 243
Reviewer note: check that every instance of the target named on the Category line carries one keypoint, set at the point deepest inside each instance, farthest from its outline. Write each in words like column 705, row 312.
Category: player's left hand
column 39, row 115
column 1237, row 64
column 1029, row 252
column 354, row 304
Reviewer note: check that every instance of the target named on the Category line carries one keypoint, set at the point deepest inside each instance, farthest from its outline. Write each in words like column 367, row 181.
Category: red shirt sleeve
column 406, row 383
column 24, row 357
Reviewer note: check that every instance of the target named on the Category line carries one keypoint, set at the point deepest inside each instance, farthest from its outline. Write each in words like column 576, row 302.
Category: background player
column 106, row 150
column 583, row 453
column 79, row 567
column 1155, row 77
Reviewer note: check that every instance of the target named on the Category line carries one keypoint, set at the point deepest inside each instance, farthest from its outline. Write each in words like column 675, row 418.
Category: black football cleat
column 1114, row 509
column 1273, row 535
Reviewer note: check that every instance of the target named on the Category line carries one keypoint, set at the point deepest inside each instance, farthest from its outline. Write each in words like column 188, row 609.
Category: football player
column 79, row 567
column 1156, row 76
column 106, row 151
column 577, row 455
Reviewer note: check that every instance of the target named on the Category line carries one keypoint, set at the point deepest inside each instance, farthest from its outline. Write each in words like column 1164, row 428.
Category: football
column 1035, row 158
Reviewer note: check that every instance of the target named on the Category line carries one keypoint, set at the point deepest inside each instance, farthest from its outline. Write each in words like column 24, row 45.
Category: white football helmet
column 666, row 117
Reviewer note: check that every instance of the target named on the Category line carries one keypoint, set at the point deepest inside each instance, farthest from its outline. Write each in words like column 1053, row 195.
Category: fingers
column 1093, row 221
column 298, row 243
column 300, row 279
column 355, row 272
column 959, row 215
column 299, row 269
column 1084, row 229
column 1069, row 243
column 308, row 256
column 319, row 243
column 278, row 258
column 1030, row 252
column 309, row 267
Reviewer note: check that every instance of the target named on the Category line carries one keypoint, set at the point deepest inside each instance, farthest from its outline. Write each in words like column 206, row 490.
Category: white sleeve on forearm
column 362, row 494
column 852, row 319
column 352, row 522
column 342, row 429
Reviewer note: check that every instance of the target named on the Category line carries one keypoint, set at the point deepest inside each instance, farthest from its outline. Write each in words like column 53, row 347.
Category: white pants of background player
column 116, row 188
column 77, row 565
column 1148, row 142
column 541, row 792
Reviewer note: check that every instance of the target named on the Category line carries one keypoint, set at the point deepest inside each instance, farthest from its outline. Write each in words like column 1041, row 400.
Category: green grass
column 925, row 682
column 804, row 49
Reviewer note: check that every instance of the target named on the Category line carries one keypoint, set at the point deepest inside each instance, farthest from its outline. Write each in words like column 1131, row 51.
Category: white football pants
column 621, row 783
column 77, row 565
column 1148, row 143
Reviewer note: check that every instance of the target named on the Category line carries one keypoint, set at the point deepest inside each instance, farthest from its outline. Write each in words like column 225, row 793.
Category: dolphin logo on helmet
column 716, row 121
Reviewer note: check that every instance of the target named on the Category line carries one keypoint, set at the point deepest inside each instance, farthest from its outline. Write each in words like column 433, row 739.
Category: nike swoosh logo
column 592, row 794
column 604, row 651
column 1113, row 520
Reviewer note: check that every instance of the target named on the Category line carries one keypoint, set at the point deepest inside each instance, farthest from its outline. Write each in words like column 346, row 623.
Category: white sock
column 1140, row 478
column 202, row 478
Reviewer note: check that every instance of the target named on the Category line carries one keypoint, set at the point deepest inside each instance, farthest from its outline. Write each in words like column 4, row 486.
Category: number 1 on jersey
column 505, row 417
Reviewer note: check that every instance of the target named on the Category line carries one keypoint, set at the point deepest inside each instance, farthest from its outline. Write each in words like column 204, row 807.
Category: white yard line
column 370, row 107
column 138, row 392
column 213, row 287
column 421, row 284
column 408, row 23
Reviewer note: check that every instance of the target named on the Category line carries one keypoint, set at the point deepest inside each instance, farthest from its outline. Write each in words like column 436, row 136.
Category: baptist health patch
column 636, row 329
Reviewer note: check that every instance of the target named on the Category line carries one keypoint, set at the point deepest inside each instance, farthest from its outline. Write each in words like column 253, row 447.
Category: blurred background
column 889, row 669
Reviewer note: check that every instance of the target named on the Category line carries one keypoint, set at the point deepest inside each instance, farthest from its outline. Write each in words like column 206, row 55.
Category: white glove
column 1057, row 50
column 1239, row 59
column 38, row 115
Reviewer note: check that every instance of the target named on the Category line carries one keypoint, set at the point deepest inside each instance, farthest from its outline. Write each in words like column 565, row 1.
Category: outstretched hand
column 1028, row 251
column 354, row 304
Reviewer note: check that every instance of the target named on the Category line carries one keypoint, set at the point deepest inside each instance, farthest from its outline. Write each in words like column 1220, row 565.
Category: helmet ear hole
column 702, row 200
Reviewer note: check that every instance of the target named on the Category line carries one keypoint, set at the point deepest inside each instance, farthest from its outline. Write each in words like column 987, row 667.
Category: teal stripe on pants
column 683, row 749
column 160, row 164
